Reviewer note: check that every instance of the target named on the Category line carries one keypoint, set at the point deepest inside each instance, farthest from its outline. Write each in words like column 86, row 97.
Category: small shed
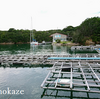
column 60, row 36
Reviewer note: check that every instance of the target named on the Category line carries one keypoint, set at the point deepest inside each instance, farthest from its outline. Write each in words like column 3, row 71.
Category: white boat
column 43, row 42
column 34, row 43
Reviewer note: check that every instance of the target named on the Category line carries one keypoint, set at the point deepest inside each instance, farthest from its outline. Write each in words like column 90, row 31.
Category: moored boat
column 32, row 40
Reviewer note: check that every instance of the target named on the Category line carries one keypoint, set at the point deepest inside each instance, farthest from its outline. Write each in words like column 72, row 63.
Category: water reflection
column 59, row 49
column 27, row 79
column 14, row 49
column 39, row 49
column 49, row 49
column 54, row 49
column 36, row 49
column 68, row 94
column 24, row 66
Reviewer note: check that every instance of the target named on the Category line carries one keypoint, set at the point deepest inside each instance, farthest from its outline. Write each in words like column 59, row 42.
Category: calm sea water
column 29, row 79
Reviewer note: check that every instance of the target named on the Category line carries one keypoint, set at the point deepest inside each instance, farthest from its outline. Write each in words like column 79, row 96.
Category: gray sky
column 46, row 14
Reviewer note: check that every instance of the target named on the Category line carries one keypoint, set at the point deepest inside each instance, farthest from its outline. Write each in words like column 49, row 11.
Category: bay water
column 19, row 82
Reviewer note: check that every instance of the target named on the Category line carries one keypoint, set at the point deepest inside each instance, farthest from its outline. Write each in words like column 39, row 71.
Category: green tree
column 58, row 40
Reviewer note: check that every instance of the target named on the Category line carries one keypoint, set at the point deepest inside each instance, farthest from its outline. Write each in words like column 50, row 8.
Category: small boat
column 34, row 43
column 43, row 43
column 32, row 40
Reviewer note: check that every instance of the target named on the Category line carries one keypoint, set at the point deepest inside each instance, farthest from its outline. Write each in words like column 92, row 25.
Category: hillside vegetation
column 87, row 30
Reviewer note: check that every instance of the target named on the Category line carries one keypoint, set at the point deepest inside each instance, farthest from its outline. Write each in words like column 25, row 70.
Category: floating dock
column 75, row 76
column 91, row 47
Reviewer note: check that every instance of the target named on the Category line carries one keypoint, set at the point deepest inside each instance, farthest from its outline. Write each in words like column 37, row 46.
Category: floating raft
column 6, row 60
column 84, row 47
column 80, row 76
column 75, row 58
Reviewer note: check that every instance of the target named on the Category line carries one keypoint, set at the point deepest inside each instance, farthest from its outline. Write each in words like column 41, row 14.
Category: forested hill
column 88, row 29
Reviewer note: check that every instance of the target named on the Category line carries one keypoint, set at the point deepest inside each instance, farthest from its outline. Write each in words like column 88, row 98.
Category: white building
column 60, row 36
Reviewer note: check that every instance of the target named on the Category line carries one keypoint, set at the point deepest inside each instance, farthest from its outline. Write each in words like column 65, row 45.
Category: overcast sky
column 46, row 14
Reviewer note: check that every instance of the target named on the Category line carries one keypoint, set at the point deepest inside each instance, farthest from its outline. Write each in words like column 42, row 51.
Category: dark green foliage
column 63, row 42
column 89, row 29
column 69, row 30
column 42, row 36
column 58, row 40
column 14, row 36
column 23, row 36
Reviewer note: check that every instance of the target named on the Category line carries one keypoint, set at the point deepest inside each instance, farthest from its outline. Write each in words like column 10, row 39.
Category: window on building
column 57, row 36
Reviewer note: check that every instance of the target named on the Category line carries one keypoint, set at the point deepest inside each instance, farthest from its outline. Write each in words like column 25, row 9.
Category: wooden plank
column 47, row 76
column 58, row 75
column 94, row 72
column 71, row 76
column 93, row 91
column 84, row 77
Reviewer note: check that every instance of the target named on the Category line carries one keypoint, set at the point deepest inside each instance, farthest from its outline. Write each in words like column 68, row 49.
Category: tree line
column 23, row 36
column 88, row 29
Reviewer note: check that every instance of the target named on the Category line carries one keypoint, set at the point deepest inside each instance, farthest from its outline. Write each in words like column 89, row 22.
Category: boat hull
column 34, row 43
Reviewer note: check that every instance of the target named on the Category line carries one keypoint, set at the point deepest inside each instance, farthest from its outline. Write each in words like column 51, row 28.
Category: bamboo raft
column 24, row 59
column 75, row 76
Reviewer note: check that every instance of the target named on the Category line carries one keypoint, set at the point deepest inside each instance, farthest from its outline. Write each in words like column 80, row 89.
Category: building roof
column 57, row 33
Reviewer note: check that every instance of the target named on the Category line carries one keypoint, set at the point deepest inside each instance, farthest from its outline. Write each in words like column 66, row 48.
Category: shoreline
column 11, row 43
column 58, row 44
column 71, row 44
